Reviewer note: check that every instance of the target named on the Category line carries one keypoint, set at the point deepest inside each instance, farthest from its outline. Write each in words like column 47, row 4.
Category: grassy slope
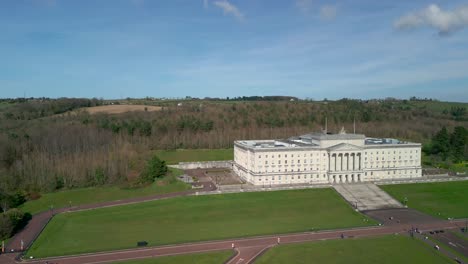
column 205, row 258
column 386, row 249
column 100, row 194
column 444, row 199
column 181, row 155
column 195, row 218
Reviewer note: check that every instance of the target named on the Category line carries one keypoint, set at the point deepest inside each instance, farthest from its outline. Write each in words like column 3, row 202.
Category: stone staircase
column 366, row 196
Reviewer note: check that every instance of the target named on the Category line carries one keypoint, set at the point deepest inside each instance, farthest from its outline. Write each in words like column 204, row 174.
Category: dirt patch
column 118, row 109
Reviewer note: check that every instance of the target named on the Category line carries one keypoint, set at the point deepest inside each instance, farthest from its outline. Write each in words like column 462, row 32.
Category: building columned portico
column 326, row 158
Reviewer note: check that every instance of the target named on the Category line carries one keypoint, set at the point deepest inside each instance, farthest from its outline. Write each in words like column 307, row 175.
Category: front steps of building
column 366, row 196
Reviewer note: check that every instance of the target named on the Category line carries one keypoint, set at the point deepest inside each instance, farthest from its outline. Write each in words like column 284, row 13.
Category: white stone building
column 325, row 158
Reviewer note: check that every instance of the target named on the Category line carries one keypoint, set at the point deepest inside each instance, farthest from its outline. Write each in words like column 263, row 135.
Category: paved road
column 457, row 243
column 39, row 221
column 248, row 248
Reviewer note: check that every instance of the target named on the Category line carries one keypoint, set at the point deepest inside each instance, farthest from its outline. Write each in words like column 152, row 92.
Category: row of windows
column 394, row 172
column 383, row 158
column 286, row 170
column 292, row 155
column 298, row 177
column 292, row 161
column 389, row 152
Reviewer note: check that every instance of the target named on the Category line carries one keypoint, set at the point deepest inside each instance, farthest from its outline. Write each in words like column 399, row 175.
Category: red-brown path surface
column 39, row 221
column 247, row 248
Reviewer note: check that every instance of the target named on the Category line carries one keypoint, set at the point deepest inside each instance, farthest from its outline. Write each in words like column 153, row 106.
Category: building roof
column 326, row 136
column 312, row 140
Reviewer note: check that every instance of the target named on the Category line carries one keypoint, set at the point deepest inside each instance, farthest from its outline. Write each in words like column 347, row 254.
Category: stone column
column 340, row 162
column 333, row 162
column 346, row 159
column 360, row 161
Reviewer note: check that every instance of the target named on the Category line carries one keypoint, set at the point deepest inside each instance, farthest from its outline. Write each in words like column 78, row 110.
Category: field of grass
column 100, row 194
column 442, row 199
column 387, row 249
column 195, row 218
column 200, row 258
column 181, row 155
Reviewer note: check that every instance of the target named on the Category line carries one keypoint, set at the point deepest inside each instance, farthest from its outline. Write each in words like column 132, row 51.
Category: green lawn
column 181, row 155
column 386, row 249
column 100, row 194
column 199, row 258
column 195, row 218
column 442, row 199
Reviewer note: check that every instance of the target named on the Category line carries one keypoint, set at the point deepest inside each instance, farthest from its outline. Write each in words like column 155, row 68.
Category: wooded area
column 43, row 148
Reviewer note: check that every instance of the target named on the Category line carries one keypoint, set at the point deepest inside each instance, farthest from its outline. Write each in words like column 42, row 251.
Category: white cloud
column 445, row 22
column 229, row 8
column 304, row 5
column 328, row 12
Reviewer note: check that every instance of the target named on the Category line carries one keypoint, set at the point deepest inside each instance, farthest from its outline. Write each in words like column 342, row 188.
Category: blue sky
column 220, row 48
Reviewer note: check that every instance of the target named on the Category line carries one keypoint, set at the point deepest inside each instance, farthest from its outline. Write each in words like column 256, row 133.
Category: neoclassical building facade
column 326, row 158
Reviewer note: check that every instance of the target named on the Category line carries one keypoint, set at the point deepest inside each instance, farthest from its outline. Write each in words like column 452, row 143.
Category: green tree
column 441, row 143
column 156, row 168
column 458, row 142
column 6, row 227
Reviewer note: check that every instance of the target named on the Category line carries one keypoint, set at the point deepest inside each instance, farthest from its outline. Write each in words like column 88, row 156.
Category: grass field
column 200, row 258
column 442, row 199
column 387, row 249
column 100, row 194
column 195, row 218
column 181, row 155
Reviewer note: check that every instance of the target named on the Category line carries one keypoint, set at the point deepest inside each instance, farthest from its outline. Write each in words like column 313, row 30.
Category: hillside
column 44, row 148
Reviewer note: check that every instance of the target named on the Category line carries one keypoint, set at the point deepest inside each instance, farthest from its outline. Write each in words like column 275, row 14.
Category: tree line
column 446, row 145
column 41, row 154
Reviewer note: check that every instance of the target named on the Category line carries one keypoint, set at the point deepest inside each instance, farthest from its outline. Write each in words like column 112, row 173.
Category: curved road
column 39, row 221
column 247, row 249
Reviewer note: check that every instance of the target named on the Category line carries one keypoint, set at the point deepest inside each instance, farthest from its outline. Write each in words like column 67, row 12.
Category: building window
column 266, row 161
